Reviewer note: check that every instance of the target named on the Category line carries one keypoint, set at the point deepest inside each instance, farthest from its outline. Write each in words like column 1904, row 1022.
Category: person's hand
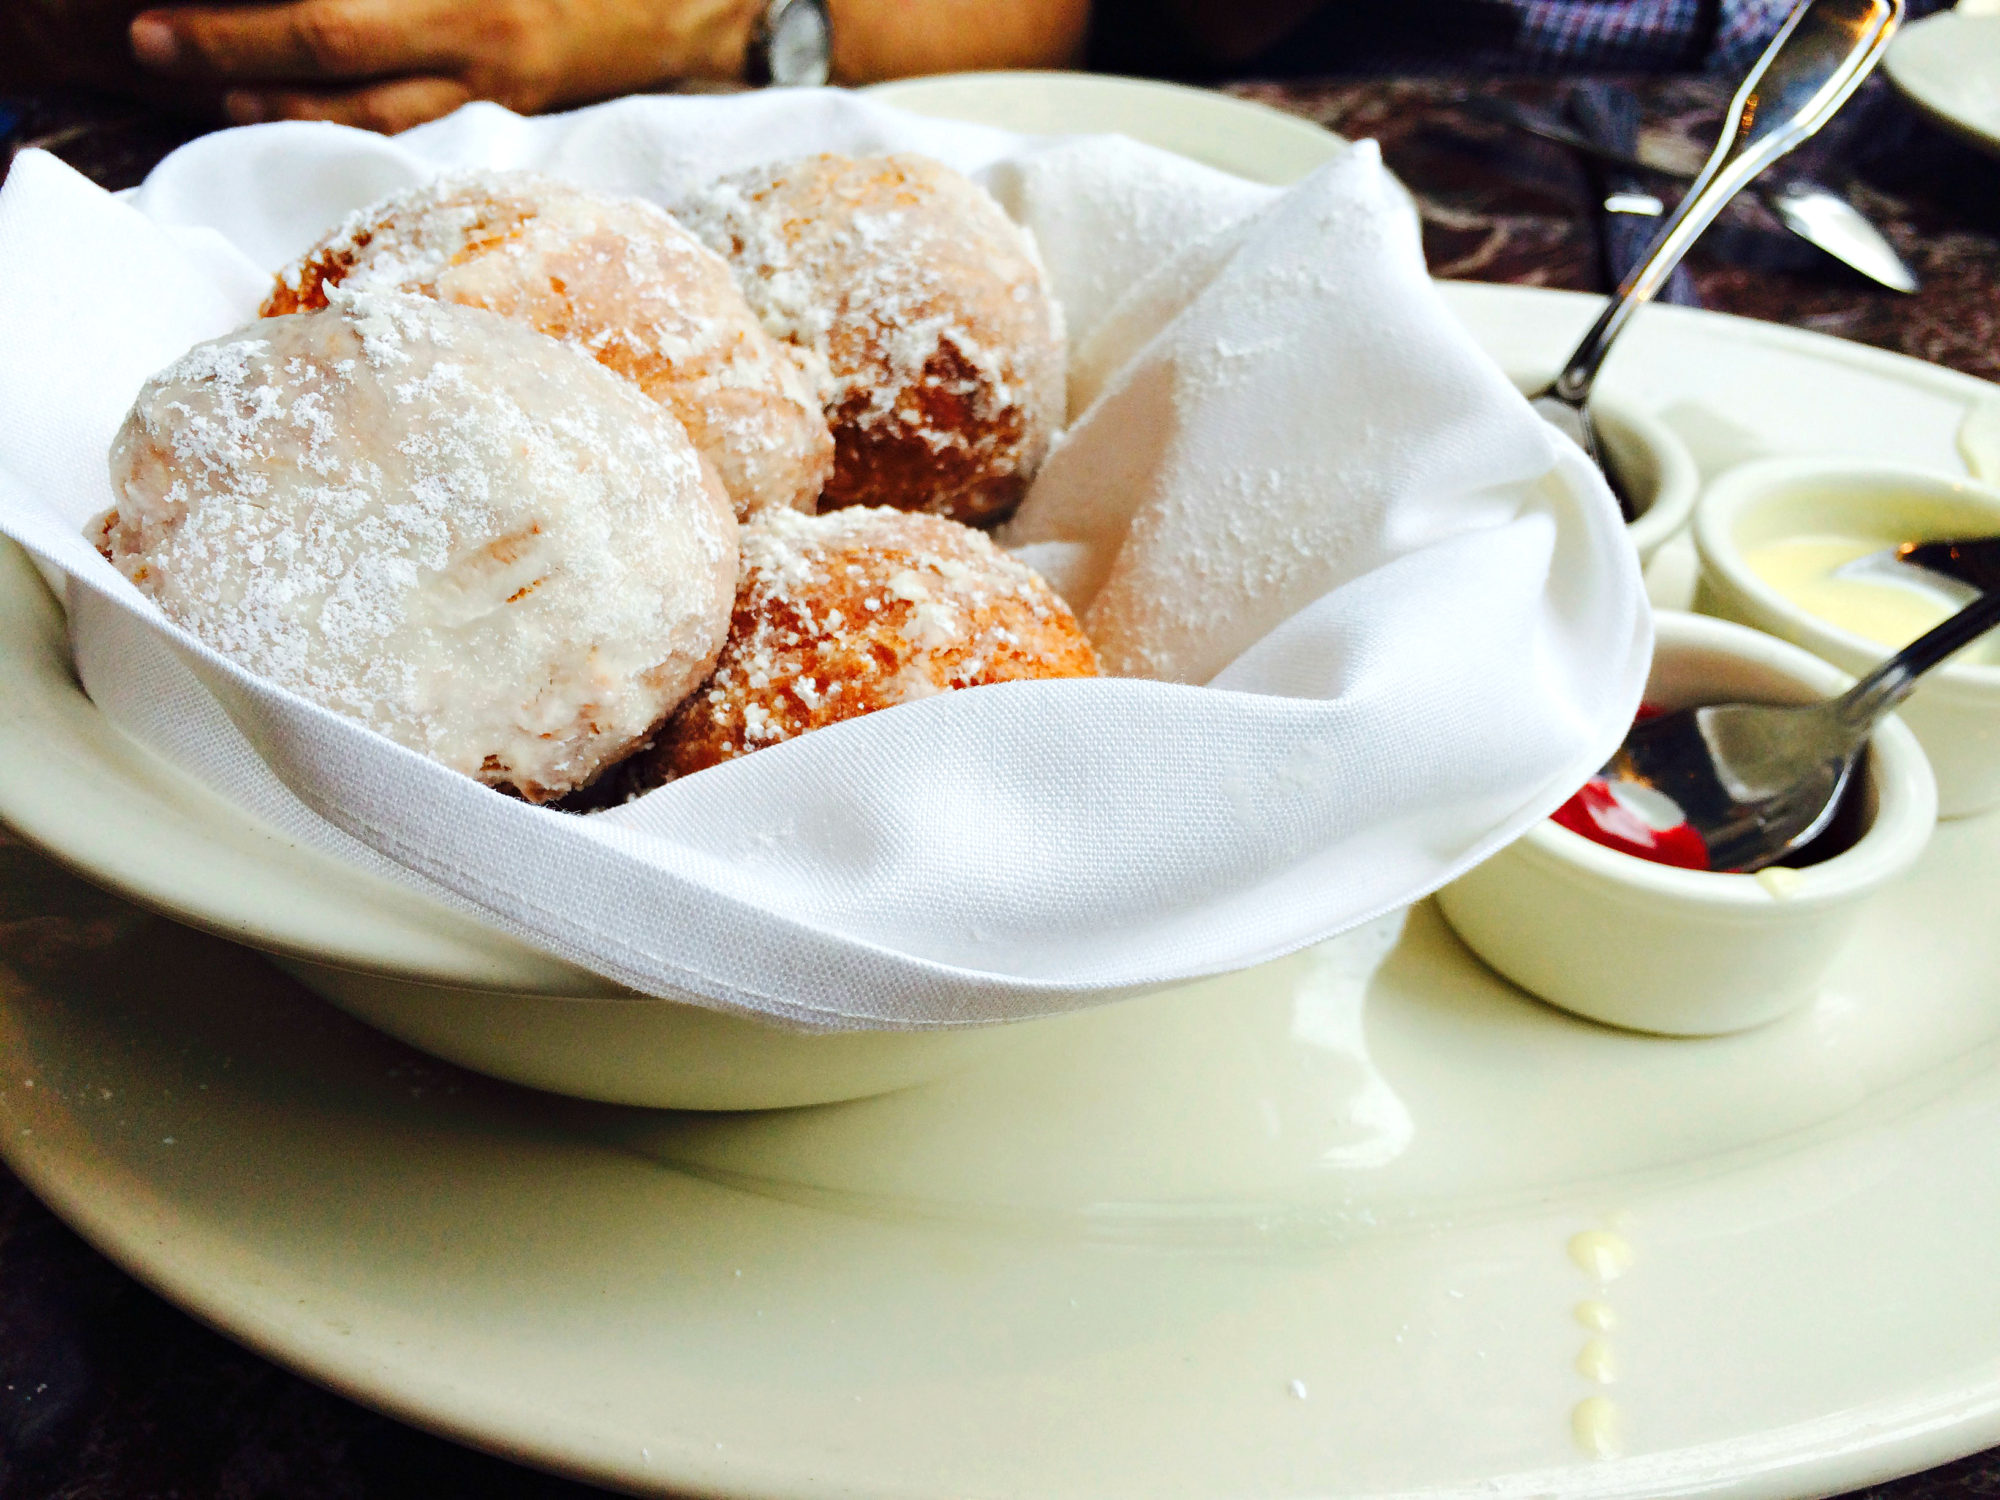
column 389, row 64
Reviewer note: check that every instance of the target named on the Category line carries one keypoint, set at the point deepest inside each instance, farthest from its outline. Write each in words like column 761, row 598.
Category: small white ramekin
column 1653, row 947
column 1955, row 711
column 1656, row 467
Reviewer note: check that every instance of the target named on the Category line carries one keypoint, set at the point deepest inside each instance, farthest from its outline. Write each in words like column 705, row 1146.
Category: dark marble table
column 1500, row 209
column 106, row 1391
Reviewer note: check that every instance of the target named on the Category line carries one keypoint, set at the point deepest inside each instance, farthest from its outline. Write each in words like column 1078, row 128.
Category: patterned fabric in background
column 1646, row 34
column 1415, row 36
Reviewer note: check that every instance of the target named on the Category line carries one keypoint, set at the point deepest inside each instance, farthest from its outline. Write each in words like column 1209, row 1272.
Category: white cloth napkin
column 1290, row 476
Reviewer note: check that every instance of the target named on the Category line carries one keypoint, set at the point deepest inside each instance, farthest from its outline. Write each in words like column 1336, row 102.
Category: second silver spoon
column 1818, row 58
column 1756, row 781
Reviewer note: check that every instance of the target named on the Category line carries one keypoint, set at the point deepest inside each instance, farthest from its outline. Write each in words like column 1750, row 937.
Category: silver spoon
column 1819, row 57
column 1757, row 781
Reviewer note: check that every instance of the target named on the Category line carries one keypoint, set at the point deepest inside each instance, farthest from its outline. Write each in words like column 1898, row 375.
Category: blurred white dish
column 1948, row 65
column 1955, row 711
column 1097, row 1264
column 1689, row 952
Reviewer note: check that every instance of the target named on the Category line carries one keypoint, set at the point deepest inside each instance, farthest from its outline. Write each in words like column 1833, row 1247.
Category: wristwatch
column 792, row 45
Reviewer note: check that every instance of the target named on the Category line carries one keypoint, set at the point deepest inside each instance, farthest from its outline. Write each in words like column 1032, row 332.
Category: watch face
column 801, row 45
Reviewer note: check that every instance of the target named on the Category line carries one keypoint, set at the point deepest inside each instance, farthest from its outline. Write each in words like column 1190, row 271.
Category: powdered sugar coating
column 617, row 278
column 840, row 614
column 437, row 522
column 925, row 306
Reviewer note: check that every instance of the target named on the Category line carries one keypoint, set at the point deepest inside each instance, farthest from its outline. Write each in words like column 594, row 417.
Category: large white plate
column 1949, row 66
column 1303, row 1231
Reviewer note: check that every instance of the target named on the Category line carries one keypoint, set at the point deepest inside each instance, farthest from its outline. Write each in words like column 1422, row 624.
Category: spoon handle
column 1819, row 57
column 1892, row 682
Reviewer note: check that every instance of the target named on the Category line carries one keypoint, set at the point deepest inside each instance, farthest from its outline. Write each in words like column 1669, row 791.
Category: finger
column 299, row 39
column 386, row 107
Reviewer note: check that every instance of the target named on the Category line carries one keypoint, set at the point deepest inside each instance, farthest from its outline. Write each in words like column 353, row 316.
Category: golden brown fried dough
column 925, row 306
column 436, row 522
column 617, row 278
column 840, row 614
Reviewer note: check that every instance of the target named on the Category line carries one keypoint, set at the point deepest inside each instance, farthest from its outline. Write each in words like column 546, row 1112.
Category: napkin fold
column 1371, row 618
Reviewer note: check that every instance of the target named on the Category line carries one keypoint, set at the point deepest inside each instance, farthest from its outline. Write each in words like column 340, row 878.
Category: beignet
column 840, row 614
column 926, row 308
column 617, row 278
column 434, row 521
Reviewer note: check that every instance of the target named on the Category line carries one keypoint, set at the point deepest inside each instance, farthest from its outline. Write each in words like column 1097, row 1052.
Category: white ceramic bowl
column 1948, row 65
column 73, row 785
column 1653, row 947
column 1654, row 464
column 430, row 975
column 1955, row 711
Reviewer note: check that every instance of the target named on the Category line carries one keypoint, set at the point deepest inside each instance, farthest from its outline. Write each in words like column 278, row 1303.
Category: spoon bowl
column 1755, row 782
column 1958, row 571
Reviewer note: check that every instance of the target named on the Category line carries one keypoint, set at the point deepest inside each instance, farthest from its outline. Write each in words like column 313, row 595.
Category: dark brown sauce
column 1850, row 821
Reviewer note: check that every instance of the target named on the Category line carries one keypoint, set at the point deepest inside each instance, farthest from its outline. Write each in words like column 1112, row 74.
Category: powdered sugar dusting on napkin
column 1253, row 454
